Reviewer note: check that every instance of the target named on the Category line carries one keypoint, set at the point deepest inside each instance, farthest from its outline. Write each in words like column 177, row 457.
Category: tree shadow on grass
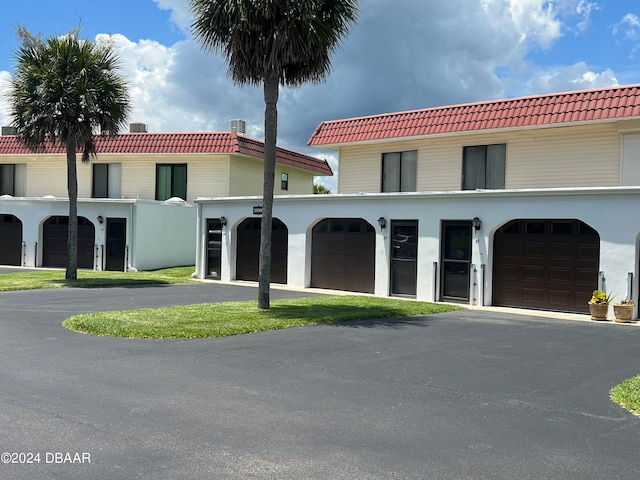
column 356, row 316
column 106, row 282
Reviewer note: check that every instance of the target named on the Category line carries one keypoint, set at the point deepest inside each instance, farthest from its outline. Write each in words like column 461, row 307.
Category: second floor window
column 106, row 180
column 284, row 181
column 171, row 181
column 7, row 179
column 399, row 171
column 483, row 166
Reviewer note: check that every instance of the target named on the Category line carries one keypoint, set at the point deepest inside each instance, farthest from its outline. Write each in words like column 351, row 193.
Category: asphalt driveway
column 463, row 395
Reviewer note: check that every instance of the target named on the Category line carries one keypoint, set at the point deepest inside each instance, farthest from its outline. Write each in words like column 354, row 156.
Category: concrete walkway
column 476, row 394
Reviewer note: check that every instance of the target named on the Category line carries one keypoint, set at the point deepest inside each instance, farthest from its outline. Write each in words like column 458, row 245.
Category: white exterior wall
column 158, row 235
column 601, row 208
column 247, row 176
column 207, row 175
column 165, row 235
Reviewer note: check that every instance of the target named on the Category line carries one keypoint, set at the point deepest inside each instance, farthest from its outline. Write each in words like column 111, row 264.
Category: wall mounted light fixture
column 382, row 222
column 100, row 219
column 477, row 223
column 223, row 221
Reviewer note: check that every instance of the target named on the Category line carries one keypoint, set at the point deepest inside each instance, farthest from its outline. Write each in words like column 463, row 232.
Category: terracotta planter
column 598, row 311
column 623, row 313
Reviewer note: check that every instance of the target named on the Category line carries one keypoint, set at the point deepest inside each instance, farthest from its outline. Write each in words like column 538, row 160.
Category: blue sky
column 402, row 54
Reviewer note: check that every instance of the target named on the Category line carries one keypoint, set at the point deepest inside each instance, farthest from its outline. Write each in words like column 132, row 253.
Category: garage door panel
column 509, row 272
column 534, row 250
column 533, row 273
column 10, row 240
column 248, row 250
column 559, row 298
column 587, row 251
column 511, row 250
column 558, row 268
column 54, row 242
column 534, row 297
column 343, row 255
column 562, row 251
column 563, row 275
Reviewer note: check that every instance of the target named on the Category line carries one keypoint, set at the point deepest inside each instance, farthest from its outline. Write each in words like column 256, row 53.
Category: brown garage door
column 54, row 242
column 10, row 240
column 343, row 255
column 248, row 251
column 545, row 264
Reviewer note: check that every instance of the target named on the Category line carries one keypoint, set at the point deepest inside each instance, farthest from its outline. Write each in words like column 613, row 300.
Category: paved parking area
column 475, row 394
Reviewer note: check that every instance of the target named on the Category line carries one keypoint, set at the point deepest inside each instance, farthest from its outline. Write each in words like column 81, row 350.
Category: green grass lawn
column 627, row 394
column 92, row 278
column 232, row 318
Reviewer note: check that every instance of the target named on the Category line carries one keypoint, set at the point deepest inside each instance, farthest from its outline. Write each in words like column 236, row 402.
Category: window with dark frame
column 399, row 171
column 171, row 181
column 284, row 181
column 483, row 166
column 7, row 179
column 100, row 188
column 106, row 179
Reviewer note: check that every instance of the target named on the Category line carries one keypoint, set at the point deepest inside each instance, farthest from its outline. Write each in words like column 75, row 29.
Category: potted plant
column 623, row 311
column 599, row 304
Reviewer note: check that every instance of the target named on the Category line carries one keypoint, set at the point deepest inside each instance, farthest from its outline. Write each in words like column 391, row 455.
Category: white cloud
column 536, row 20
column 179, row 12
column 628, row 27
column 573, row 77
column 584, row 9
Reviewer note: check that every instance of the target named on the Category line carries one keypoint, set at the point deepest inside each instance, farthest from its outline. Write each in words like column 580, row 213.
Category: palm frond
column 293, row 39
column 66, row 85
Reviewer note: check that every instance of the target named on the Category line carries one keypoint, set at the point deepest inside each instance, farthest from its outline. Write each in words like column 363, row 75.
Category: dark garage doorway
column 545, row 264
column 54, row 242
column 248, row 250
column 10, row 240
column 343, row 255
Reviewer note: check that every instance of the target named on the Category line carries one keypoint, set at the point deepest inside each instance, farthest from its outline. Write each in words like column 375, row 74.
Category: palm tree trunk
column 271, row 91
column 72, row 232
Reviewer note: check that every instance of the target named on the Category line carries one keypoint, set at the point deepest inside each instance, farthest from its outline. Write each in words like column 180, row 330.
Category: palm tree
column 320, row 189
column 272, row 43
column 65, row 88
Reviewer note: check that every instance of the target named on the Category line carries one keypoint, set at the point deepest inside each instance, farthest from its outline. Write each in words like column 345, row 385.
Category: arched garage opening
column 545, row 264
column 343, row 255
column 54, row 242
column 10, row 240
column 248, row 250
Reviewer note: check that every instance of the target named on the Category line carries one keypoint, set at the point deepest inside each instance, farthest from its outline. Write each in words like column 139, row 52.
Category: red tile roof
column 595, row 105
column 177, row 143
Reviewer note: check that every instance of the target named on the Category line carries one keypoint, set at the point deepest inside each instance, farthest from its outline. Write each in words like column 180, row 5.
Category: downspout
column 132, row 243
column 200, row 245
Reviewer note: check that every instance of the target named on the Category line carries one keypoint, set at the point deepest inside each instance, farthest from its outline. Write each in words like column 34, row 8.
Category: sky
column 400, row 55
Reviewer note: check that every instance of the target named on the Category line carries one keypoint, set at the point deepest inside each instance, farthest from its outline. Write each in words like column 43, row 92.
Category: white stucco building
column 133, row 198
column 523, row 202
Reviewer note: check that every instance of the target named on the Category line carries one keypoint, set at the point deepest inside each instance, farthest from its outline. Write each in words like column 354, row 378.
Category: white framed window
column 106, row 180
column 13, row 179
column 483, row 166
column 399, row 171
column 171, row 181
column 284, row 181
